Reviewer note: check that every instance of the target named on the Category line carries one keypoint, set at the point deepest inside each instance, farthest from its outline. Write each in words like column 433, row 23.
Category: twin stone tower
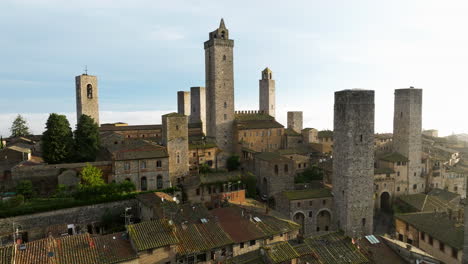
column 353, row 155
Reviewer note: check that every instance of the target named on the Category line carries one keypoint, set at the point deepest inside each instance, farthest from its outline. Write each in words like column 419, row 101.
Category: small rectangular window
column 252, row 242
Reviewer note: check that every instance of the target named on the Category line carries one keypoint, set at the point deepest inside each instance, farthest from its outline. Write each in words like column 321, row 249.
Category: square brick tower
column 267, row 93
column 407, row 130
column 219, row 70
column 353, row 161
column 295, row 121
column 198, row 105
column 87, row 102
column 175, row 139
column 183, row 103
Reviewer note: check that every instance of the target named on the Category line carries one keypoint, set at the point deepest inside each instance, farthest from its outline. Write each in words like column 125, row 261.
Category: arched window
column 276, row 169
column 178, row 158
column 224, row 57
column 285, row 167
column 223, row 34
column 89, row 90
column 158, row 164
column 159, row 182
column 143, row 184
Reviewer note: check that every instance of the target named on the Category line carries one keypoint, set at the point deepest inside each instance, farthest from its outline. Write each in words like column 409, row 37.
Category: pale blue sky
column 144, row 51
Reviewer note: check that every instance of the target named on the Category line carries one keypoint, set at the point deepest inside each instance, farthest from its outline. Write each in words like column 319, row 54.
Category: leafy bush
column 16, row 201
column 250, row 182
column 233, row 163
column 310, row 174
column 25, row 188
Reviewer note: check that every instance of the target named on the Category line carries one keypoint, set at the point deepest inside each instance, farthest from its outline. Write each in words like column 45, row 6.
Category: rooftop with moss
column 307, row 194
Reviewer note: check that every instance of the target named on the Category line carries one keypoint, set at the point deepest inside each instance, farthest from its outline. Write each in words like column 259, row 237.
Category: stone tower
column 465, row 234
column 295, row 121
column 219, row 70
column 407, row 129
column 267, row 93
column 198, row 105
column 87, row 97
column 183, row 103
column 175, row 139
column 353, row 161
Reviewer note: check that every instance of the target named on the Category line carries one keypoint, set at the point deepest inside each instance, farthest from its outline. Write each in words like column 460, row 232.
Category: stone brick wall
column 259, row 140
column 353, row 161
column 295, row 121
column 183, row 103
column 36, row 224
column 407, row 127
column 198, row 104
column 267, row 93
column 219, row 69
column 271, row 183
column 87, row 105
column 310, row 135
column 175, row 138
column 135, row 170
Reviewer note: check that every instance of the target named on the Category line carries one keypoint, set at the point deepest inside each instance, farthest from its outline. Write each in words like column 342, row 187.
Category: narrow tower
column 353, row 161
column 407, row 129
column 219, row 70
column 295, row 121
column 175, row 139
column 198, row 105
column 465, row 234
column 183, row 103
column 87, row 97
column 267, row 93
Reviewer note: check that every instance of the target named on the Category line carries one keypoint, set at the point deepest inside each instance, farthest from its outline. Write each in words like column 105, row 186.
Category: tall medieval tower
column 87, row 97
column 219, row 70
column 198, row 105
column 353, row 161
column 267, row 93
column 407, row 129
column 175, row 139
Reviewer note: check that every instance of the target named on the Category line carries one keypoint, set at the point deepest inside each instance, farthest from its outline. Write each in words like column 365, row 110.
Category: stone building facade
column 274, row 173
column 183, row 103
column 353, row 158
column 407, row 127
column 144, row 163
column 175, row 139
column 267, row 93
column 87, row 100
column 219, row 69
column 310, row 135
column 198, row 105
column 295, row 121
column 311, row 208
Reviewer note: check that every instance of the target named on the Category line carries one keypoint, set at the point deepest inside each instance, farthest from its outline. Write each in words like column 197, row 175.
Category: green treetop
column 86, row 139
column 57, row 140
column 19, row 127
column 91, row 176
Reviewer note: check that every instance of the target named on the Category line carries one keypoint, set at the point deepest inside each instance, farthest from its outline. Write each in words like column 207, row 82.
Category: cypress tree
column 57, row 140
column 86, row 139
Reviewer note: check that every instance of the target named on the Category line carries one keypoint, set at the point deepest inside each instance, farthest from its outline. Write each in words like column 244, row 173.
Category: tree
column 57, row 140
column 310, row 174
column 86, row 139
column 1, row 143
column 19, row 127
column 25, row 188
column 233, row 163
column 91, row 176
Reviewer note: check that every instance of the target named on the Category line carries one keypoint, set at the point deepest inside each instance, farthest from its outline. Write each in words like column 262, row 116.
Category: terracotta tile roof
column 201, row 237
column 437, row 225
column 281, row 252
column 6, row 254
column 255, row 121
column 252, row 257
column 154, row 198
column 137, row 149
column 335, row 248
column 242, row 228
column 114, row 248
column 152, row 234
column 127, row 128
column 76, row 249
column 307, row 194
column 291, row 132
column 325, row 134
column 428, row 203
column 38, row 252
column 269, row 156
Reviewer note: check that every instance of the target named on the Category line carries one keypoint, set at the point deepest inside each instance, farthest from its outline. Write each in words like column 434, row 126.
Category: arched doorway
column 264, row 187
column 299, row 218
column 323, row 221
column 159, row 182
column 143, row 184
column 385, row 202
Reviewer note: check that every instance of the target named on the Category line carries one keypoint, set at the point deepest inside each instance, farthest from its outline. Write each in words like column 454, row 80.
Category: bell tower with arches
column 87, row 97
